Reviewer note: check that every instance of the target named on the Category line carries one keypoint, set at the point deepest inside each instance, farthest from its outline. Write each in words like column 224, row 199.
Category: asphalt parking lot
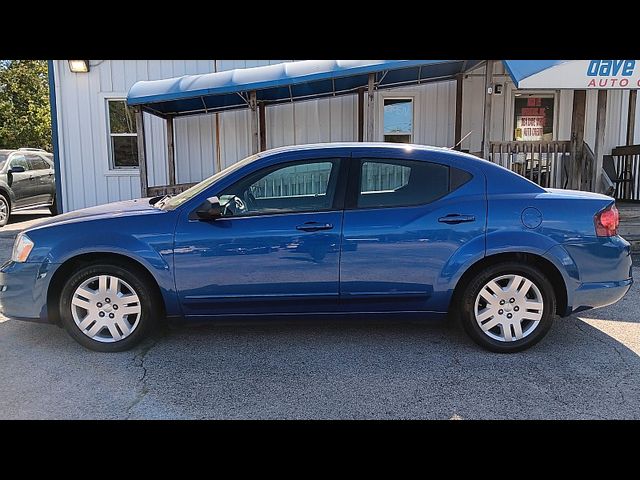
column 588, row 367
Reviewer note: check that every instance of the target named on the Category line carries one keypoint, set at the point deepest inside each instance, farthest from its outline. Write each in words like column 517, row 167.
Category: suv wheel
column 5, row 210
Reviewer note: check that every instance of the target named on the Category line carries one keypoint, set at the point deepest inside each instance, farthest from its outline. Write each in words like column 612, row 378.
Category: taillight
column 607, row 222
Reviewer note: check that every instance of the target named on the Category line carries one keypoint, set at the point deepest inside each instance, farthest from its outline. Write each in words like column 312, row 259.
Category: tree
column 25, row 118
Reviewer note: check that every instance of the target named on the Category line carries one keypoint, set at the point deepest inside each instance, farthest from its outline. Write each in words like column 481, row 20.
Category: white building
column 96, row 137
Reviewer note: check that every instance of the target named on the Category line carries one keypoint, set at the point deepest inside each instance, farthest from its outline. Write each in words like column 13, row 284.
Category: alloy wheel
column 509, row 308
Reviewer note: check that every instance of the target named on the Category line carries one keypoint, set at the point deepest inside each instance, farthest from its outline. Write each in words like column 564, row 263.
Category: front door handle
column 314, row 226
column 455, row 218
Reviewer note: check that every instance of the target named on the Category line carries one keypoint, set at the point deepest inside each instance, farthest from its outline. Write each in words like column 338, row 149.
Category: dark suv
column 27, row 180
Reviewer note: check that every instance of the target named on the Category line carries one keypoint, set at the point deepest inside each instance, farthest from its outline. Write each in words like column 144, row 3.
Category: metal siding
column 235, row 143
column 84, row 159
column 472, row 110
column 565, row 111
column 434, row 112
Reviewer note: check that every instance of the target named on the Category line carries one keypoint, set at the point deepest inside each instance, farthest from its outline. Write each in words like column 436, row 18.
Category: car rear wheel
column 508, row 307
column 5, row 210
column 108, row 308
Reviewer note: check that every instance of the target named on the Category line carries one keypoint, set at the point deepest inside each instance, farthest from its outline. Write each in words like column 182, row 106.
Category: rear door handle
column 454, row 219
column 314, row 226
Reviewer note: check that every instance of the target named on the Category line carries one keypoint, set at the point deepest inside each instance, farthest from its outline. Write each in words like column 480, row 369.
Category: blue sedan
column 353, row 229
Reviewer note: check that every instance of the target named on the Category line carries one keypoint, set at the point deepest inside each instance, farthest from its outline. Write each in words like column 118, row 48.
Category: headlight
column 21, row 248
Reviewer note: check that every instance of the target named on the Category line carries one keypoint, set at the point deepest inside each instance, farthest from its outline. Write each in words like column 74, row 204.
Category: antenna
column 461, row 140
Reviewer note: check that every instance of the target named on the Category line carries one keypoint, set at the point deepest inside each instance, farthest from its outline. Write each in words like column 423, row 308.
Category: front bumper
column 23, row 290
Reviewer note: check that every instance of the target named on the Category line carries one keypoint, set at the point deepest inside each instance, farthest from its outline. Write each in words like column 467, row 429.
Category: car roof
column 375, row 145
column 8, row 151
column 318, row 146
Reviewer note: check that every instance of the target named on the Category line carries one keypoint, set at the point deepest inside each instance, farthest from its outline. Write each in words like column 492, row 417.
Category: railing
column 541, row 162
column 627, row 162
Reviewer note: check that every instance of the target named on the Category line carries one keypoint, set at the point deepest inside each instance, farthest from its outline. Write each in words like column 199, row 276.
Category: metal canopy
column 283, row 82
column 521, row 69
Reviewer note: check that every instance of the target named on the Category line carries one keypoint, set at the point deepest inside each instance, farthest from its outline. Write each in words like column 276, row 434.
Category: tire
column 5, row 210
column 99, row 301
column 54, row 206
column 500, row 334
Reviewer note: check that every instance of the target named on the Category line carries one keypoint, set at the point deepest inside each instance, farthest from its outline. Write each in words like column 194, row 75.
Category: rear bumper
column 598, row 272
column 23, row 288
column 601, row 294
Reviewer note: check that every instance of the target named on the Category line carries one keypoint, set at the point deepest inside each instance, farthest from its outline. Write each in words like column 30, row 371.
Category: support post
column 255, row 141
column 577, row 139
column 486, row 122
column 142, row 161
column 361, row 114
column 218, row 147
column 601, row 124
column 370, row 105
column 263, row 126
column 631, row 116
column 171, row 154
column 458, row 124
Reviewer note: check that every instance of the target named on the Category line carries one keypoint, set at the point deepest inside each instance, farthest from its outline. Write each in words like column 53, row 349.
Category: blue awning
column 520, row 70
column 284, row 82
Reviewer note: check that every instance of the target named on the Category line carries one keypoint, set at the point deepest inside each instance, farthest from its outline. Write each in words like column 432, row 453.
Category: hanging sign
column 587, row 74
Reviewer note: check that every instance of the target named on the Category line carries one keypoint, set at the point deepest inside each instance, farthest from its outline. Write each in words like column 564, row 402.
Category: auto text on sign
column 612, row 74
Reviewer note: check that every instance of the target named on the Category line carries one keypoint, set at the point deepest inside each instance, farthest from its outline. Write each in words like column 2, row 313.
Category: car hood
column 139, row 206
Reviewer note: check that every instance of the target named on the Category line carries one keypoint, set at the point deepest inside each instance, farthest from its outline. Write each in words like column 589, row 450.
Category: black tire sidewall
column 467, row 314
column 8, row 203
column 133, row 277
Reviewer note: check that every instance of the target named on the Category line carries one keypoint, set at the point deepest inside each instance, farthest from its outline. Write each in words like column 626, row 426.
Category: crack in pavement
column 138, row 360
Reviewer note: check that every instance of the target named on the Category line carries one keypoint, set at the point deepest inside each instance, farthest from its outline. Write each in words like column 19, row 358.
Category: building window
column 533, row 118
column 123, row 138
column 398, row 120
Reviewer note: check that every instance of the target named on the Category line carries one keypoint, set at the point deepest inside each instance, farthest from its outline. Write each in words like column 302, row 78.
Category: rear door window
column 395, row 183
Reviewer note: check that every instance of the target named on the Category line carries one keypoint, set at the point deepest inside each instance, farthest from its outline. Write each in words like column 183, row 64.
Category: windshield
column 174, row 202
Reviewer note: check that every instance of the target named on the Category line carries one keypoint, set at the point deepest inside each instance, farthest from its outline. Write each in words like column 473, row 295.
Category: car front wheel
column 108, row 308
column 508, row 307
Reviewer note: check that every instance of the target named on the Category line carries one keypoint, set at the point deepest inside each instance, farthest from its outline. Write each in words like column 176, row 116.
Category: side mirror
column 16, row 169
column 209, row 210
